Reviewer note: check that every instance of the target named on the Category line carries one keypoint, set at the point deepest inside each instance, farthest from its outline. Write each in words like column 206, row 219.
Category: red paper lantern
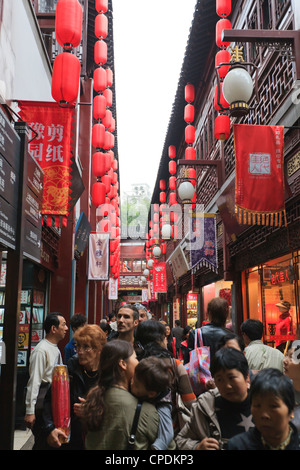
column 162, row 197
column 222, row 57
column 106, row 121
column 100, row 79
column 223, row 7
column 100, row 52
column 106, row 180
column 189, row 113
column 99, row 107
column 109, row 97
column 98, row 135
column 60, row 399
column 65, row 78
column 109, row 77
column 222, row 127
column 222, row 24
column 172, row 182
column 68, row 23
column 189, row 93
column 222, row 100
column 101, row 6
column 99, row 164
column 172, row 151
column 192, row 175
column 189, row 134
column 172, row 198
column 172, row 167
column 162, row 185
column 112, row 126
column 98, row 194
column 109, row 140
column 101, row 26
column 190, row 153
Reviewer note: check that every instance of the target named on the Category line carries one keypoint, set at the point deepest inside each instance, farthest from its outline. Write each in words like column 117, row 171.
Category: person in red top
column 284, row 325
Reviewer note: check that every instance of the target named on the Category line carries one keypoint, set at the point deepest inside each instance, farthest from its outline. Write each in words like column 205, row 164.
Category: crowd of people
column 130, row 386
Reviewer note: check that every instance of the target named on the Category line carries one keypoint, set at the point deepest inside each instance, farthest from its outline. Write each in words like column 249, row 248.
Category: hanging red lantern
column 100, row 52
column 162, row 197
column 106, row 121
column 106, row 180
column 222, row 57
column 65, row 78
column 222, row 24
column 101, row 6
column 172, row 183
column 101, row 26
column 115, row 165
column 190, row 153
column 99, row 107
column 68, row 23
column 98, row 135
column 222, row 127
column 98, row 164
column 109, row 77
column 109, row 97
column 189, row 93
column 109, row 140
column 192, row 175
column 189, row 113
column 100, row 79
column 162, row 185
column 223, row 7
column 172, row 198
column 112, row 126
column 98, row 194
column 172, row 167
column 172, row 151
column 223, row 103
column 189, row 134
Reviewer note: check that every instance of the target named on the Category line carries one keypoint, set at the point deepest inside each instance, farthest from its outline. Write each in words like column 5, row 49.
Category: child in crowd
column 222, row 412
column 151, row 382
column 272, row 403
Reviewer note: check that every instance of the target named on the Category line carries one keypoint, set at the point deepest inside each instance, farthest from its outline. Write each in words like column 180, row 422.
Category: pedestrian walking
column 127, row 321
column 42, row 361
column 177, row 333
column 222, row 412
column 291, row 368
column 110, row 407
column 76, row 321
column 259, row 355
column 83, row 370
column 272, row 404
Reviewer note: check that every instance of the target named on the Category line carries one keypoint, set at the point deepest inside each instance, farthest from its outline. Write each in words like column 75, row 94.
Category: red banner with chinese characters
column 259, row 174
column 159, row 277
column 51, row 146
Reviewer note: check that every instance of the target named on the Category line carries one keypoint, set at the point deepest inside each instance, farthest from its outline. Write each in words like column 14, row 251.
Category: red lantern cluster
column 104, row 165
column 66, row 66
column 189, row 116
column 222, row 121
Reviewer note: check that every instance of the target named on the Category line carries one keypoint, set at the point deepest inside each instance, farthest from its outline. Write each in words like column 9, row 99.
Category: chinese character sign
column 203, row 240
column 159, row 277
column 51, row 147
column 259, row 176
column 98, row 257
column 113, row 288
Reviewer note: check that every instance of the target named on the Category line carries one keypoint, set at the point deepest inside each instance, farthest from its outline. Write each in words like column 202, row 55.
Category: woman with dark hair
column 110, row 407
column 151, row 335
column 272, row 404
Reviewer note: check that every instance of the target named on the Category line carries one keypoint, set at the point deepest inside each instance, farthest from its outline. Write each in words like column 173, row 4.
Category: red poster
column 259, row 174
column 51, row 147
column 159, row 277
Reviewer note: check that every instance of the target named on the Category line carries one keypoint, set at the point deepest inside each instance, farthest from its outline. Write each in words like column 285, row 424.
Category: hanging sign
column 203, row 240
column 145, row 295
column 51, row 147
column 98, row 257
column 159, row 278
column 259, row 174
column 113, row 288
column 152, row 296
column 179, row 262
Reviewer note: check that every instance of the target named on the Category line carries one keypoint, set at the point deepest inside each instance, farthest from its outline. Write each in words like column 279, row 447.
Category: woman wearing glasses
column 83, row 371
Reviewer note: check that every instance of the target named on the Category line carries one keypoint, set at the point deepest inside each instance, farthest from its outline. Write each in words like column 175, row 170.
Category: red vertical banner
column 51, row 145
column 159, row 278
column 259, row 174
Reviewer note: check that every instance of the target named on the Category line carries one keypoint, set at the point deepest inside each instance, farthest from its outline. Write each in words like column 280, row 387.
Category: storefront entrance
column 271, row 295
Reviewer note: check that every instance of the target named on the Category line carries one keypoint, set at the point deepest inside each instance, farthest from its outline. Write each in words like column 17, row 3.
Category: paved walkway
column 23, row 440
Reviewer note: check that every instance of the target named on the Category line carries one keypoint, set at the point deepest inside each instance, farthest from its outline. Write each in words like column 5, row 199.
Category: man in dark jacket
column 212, row 332
column 177, row 333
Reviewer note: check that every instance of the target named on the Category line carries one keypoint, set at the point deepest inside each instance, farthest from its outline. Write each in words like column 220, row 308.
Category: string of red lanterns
column 222, row 121
column 66, row 66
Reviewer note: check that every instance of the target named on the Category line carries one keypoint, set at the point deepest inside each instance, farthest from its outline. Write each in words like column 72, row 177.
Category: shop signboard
column 113, row 288
column 82, row 233
column 179, row 262
column 203, row 240
column 159, row 277
column 98, row 256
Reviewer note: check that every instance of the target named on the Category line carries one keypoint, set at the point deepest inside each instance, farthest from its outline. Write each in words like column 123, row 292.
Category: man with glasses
column 143, row 313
